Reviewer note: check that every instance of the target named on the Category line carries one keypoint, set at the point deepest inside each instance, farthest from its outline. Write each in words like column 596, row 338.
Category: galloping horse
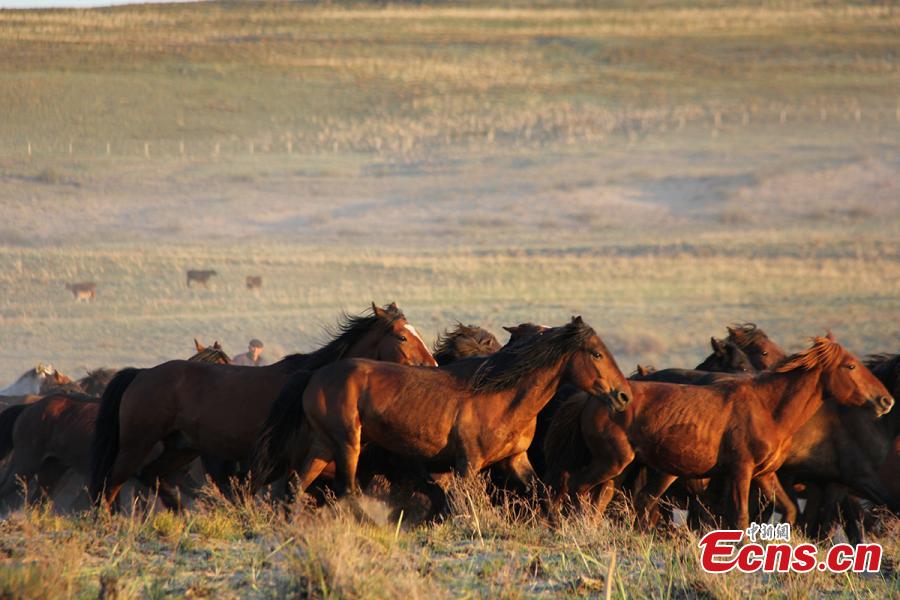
column 739, row 429
column 188, row 408
column 485, row 414
column 762, row 352
column 53, row 435
column 39, row 380
column 726, row 361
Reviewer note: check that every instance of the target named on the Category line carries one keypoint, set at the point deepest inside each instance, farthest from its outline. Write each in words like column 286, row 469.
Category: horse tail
column 274, row 447
column 105, row 444
column 7, row 424
column 564, row 445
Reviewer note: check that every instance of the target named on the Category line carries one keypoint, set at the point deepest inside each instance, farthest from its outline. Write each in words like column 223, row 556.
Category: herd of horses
column 749, row 431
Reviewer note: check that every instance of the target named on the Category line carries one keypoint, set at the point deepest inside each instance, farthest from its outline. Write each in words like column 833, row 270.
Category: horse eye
column 596, row 355
column 402, row 338
column 765, row 352
column 851, row 366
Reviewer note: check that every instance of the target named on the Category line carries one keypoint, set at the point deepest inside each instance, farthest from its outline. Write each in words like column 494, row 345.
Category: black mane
column 344, row 335
column 506, row 368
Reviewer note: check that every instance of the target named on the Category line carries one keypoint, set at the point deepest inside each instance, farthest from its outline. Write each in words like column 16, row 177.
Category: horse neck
column 791, row 397
column 536, row 389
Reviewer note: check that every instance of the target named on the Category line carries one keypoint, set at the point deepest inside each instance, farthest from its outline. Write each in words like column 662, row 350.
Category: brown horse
column 83, row 291
column 762, row 352
column 201, row 276
column 464, row 341
column 486, row 414
column 53, row 435
column 726, row 361
column 191, row 408
column 739, row 430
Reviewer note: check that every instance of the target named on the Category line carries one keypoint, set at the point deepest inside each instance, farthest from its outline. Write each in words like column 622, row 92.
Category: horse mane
column 885, row 367
column 344, row 335
column 745, row 335
column 211, row 354
column 96, row 380
column 824, row 353
column 464, row 341
column 506, row 368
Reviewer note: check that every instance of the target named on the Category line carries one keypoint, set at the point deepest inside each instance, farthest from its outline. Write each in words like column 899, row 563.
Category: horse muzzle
column 882, row 405
column 618, row 400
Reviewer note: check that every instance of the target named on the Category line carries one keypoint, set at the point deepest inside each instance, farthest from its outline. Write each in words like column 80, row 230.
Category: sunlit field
column 663, row 172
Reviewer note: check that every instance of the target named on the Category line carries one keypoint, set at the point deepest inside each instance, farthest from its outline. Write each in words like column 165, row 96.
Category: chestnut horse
column 486, row 413
column 191, row 408
column 53, row 435
column 739, row 430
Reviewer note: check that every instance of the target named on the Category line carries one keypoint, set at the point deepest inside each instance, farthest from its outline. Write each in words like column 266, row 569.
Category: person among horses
column 253, row 356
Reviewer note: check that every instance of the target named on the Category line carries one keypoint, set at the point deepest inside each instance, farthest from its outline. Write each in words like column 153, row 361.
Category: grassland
column 663, row 172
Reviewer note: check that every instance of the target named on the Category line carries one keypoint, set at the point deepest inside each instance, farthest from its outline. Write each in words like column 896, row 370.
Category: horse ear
column 379, row 312
column 717, row 346
column 198, row 346
column 641, row 370
column 577, row 320
column 392, row 307
column 511, row 329
column 217, row 345
column 829, row 335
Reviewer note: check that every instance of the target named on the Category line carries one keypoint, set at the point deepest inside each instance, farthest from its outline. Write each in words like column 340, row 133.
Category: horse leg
column 739, row 513
column 810, row 519
column 318, row 457
column 21, row 467
column 132, row 455
column 519, row 466
column 853, row 516
column 645, row 503
column 48, row 476
column 772, row 489
column 155, row 474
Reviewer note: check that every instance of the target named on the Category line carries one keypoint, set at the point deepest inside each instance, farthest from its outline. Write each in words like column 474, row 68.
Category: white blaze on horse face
column 413, row 331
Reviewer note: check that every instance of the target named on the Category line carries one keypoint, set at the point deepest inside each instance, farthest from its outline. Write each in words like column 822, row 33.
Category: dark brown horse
column 464, row 341
column 738, row 430
column 762, row 352
column 201, row 276
column 726, row 361
column 486, row 414
column 153, row 421
column 53, row 435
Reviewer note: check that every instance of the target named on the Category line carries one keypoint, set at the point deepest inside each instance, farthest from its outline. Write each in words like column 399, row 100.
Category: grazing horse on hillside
column 84, row 291
column 190, row 408
column 738, row 430
column 254, row 282
column 486, row 414
column 39, row 380
column 464, row 341
column 53, row 435
column 200, row 276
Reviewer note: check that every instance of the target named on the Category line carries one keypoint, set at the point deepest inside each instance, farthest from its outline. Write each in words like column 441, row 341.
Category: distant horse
column 486, row 413
column 96, row 381
column 218, row 410
column 38, row 380
column 53, row 435
column 762, row 352
column 254, row 282
column 726, row 361
column 84, row 291
column 738, row 430
column 464, row 341
column 200, row 276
